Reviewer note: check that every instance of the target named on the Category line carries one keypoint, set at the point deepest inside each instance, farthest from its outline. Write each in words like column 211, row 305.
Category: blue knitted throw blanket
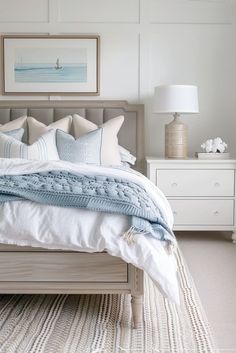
column 98, row 193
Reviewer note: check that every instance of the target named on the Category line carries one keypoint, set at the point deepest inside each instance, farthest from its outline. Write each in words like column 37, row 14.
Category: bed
column 33, row 269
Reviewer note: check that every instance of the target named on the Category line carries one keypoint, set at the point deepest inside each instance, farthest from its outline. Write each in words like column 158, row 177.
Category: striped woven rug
column 102, row 323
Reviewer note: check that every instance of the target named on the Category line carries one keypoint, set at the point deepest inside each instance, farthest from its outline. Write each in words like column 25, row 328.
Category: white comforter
column 30, row 224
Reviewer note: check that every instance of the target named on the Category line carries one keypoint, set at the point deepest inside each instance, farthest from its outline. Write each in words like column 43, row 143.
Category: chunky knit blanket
column 98, row 193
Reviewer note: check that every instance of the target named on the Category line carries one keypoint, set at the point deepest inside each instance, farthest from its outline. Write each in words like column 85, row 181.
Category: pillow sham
column 37, row 129
column 43, row 149
column 109, row 151
column 18, row 123
column 85, row 149
column 14, row 124
column 16, row 134
column 126, row 156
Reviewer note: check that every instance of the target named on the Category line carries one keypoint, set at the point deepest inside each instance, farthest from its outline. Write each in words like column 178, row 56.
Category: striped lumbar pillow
column 43, row 149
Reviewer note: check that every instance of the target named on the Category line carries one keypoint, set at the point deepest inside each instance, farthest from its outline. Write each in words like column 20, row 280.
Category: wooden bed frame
column 36, row 270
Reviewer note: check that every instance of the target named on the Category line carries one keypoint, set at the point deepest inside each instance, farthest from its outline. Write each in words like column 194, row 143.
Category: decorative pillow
column 110, row 154
column 18, row 123
column 43, row 149
column 86, row 149
column 126, row 156
column 14, row 124
column 16, row 134
column 37, row 129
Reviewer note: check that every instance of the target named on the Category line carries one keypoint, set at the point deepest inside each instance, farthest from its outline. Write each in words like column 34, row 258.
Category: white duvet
column 26, row 223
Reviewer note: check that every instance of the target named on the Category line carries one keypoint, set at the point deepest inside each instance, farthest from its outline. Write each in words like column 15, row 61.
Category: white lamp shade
column 176, row 99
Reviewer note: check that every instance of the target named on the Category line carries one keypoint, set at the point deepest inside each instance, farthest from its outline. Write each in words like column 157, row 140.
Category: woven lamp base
column 176, row 139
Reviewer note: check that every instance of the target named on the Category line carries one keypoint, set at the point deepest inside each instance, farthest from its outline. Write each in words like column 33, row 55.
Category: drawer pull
column 217, row 185
column 216, row 213
column 174, row 185
column 175, row 213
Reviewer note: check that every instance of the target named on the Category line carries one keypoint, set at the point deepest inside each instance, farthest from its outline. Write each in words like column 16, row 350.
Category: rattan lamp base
column 176, row 139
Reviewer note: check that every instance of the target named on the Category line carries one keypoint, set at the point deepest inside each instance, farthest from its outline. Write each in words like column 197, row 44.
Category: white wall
column 149, row 42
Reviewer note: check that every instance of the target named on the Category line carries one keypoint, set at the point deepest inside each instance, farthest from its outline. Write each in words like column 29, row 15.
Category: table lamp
column 176, row 99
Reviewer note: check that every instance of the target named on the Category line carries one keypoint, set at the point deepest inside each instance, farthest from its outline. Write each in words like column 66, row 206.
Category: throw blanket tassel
column 130, row 238
column 129, row 235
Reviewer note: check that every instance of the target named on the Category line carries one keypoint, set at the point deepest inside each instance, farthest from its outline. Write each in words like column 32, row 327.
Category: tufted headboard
column 131, row 135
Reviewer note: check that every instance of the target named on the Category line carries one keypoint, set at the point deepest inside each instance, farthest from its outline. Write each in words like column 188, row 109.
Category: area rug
column 102, row 323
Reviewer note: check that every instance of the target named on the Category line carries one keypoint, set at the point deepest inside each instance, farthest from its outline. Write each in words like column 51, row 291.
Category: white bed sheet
column 26, row 223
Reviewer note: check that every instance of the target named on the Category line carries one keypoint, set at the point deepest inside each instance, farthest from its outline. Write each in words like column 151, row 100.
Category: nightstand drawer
column 194, row 182
column 203, row 212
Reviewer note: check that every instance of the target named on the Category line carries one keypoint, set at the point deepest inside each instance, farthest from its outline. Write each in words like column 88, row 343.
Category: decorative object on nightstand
column 176, row 99
column 201, row 192
column 213, row 149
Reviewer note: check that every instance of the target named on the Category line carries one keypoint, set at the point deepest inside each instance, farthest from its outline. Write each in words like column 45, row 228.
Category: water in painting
column 50, row 65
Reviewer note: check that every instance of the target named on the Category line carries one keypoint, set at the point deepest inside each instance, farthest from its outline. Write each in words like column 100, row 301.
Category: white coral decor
column 215, row 145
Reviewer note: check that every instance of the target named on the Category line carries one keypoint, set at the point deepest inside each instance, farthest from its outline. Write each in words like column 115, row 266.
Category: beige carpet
column 102, row 324
column 211, row 259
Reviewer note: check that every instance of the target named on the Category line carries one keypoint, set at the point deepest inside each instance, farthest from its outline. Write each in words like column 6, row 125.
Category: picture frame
column 51, row 65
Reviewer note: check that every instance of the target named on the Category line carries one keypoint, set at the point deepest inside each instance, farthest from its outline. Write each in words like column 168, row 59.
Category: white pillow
column 37, row 129
column 43, row 149
column 14, row 124
column 110, row 154
column 126, row 156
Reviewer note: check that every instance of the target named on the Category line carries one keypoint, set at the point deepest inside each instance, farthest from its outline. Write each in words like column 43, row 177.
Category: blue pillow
column 16, row 134
column 85, row 149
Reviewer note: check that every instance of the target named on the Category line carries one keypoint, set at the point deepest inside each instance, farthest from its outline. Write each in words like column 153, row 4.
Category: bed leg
column 137, row 309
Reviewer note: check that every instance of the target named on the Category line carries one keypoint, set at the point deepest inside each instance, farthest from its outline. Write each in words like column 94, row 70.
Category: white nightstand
column 201, row 192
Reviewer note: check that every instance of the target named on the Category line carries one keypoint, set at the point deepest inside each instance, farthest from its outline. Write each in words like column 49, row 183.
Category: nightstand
column 201, row 192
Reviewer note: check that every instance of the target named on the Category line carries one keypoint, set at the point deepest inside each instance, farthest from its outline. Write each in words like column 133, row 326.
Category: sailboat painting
column 51, row 64
column 58, row 67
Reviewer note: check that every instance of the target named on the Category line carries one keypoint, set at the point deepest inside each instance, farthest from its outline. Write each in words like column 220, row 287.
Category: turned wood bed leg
column 234, row 237
column 137, row 309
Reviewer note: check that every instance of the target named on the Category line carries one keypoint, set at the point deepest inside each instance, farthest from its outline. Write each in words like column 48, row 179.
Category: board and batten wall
column 145, row 43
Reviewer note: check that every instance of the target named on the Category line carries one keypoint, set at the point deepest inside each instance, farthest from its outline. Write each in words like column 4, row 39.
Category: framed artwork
column 54, row 65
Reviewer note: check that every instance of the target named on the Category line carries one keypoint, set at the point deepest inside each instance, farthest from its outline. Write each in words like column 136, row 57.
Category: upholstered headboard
column 131, row 135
